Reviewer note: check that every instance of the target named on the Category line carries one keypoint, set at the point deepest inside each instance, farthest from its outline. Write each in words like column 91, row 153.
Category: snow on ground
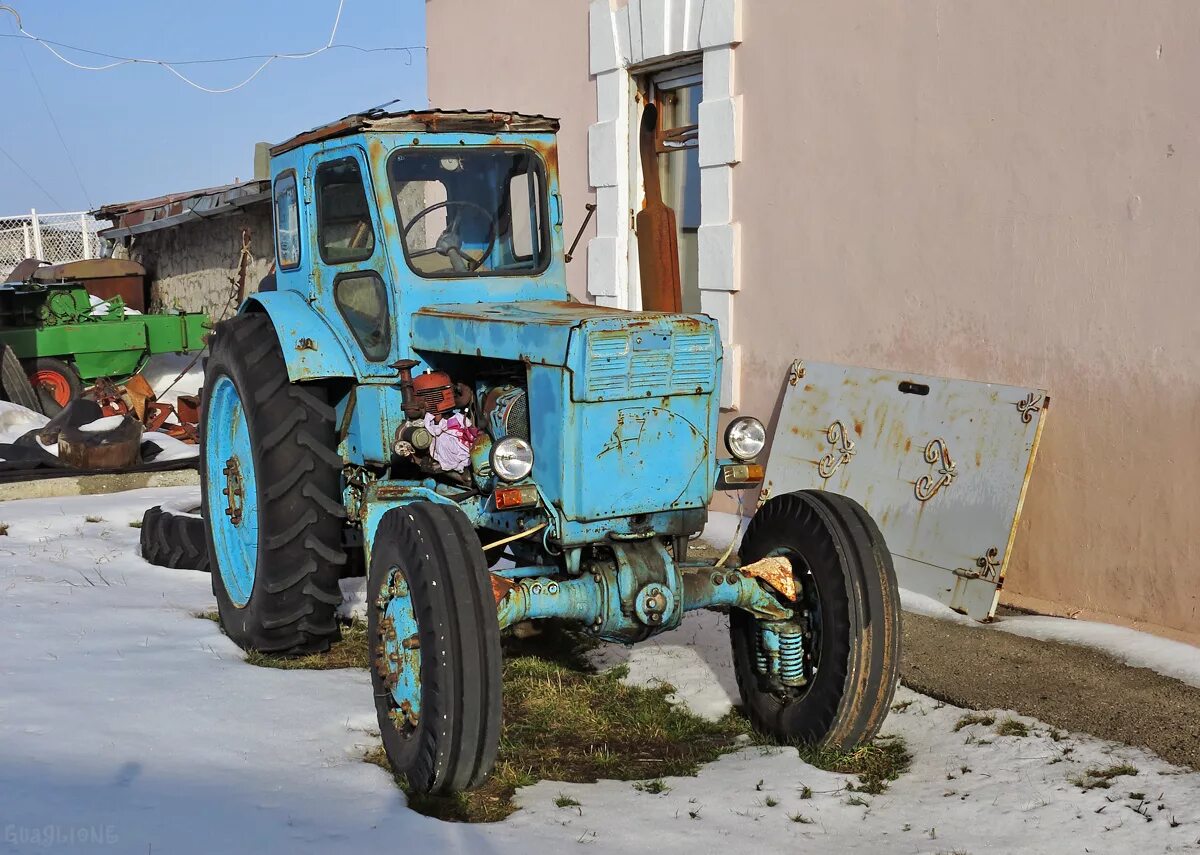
column 172, row 448
column 16, row 421
column 162, row 371
column 1139, row 649
column 129, row 725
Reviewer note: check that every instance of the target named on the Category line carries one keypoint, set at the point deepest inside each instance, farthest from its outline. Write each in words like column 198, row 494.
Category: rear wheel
column 827, row 676
column 271, row 487
column 434, row 647
column 56, row 383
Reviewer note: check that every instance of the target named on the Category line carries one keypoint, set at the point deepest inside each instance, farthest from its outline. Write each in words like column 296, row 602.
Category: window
column 471, row 212
column 677, row 93
column 287, row 221
column 362, row 300
column 344, row 231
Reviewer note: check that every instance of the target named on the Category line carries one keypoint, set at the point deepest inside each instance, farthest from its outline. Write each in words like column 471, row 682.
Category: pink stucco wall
column 1003, row 191
column 528, row 56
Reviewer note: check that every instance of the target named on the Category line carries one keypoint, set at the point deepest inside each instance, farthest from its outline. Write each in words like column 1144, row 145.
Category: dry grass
column 1012, row 727
column 875, row 764
column 1101, row 779
column 974, row 718
column 348, row 652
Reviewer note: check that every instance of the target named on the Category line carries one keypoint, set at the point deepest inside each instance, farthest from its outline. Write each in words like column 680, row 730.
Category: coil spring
column 791, row 659
column 760, row 654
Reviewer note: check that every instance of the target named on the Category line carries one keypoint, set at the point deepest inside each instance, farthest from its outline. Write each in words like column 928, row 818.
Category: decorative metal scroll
column 843, row 449
column 988, row 566
column 927, row 486
column 1030, row 406
column 796, row 372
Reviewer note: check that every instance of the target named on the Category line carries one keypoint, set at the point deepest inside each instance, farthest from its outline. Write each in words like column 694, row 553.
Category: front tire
column 434, row 648
column 850, row 605
column 271, row 486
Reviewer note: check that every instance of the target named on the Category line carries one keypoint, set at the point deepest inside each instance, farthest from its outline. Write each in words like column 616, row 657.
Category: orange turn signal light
column 516, row 497
column 742, row 473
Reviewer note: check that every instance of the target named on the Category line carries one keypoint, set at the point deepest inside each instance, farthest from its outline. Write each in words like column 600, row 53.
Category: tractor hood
column 612, row 354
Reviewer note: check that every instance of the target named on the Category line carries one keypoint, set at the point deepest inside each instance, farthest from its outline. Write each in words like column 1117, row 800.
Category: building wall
column 525, row 56
column 190, row 265
column 1002, row 191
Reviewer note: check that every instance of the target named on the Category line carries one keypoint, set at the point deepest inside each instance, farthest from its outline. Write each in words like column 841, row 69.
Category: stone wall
column 189, row 266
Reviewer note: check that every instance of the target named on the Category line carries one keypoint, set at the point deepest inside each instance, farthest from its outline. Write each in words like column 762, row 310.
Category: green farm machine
column 65, row 341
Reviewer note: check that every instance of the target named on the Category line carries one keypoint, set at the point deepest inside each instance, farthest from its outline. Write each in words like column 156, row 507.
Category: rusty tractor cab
column 419, row 398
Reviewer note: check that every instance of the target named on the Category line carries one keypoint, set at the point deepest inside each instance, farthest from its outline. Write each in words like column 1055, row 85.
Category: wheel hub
column 234, row 491
column 398, row 650
column 54, row 384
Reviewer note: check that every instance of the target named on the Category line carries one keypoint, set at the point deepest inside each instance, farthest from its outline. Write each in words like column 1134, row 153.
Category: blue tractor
column 417, row 397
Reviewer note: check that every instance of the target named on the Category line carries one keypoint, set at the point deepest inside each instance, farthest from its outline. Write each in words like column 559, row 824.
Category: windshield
column 471, row 212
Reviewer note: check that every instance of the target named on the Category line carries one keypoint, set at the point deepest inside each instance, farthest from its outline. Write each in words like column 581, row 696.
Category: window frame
column 367, row 190
column 543, row 212
column 287, row 174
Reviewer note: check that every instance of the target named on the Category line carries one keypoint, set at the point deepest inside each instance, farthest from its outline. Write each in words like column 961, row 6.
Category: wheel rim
column 232, row 490
column 57, row 386
column 398, row 652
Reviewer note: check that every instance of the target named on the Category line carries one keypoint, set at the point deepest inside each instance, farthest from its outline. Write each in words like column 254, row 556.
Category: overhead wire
column 267, row 59
column 35, row 182
column 57, row 130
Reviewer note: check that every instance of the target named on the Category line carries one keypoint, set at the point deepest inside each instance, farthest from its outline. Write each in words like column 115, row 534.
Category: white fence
column 51, row 237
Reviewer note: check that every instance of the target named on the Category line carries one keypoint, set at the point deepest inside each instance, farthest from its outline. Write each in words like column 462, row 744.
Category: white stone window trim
column 625, row 42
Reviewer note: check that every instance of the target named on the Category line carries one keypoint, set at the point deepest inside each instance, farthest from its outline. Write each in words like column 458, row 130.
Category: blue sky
column 137, row 131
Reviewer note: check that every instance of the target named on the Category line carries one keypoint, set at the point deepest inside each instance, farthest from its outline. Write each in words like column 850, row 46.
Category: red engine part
column 435, row 391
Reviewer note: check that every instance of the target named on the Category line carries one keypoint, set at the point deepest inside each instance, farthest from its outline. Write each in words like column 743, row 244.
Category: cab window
column 362, row 300
column 471, row 211
column 287, row 221
column 344, row 231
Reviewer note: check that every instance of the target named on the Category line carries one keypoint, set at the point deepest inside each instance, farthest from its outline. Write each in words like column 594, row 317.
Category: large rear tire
column 271, row 485
column 849, row 603
column 434, row 648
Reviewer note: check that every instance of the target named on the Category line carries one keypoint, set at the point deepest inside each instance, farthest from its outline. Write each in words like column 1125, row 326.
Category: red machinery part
column 435, row 390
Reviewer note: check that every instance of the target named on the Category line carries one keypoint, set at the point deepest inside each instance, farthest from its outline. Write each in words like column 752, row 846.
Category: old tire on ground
column 56, row 383
column 175, row 537
column 434, row 648
column 848, row 590
column 270, row 480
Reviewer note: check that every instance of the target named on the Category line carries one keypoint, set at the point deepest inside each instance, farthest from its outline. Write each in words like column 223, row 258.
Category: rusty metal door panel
column 942, row 465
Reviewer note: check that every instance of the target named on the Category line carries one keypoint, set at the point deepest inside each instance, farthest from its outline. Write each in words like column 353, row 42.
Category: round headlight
column 512, row 458
column 745, row 437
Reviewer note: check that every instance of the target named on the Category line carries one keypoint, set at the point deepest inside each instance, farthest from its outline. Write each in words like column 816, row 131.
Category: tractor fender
column 310, row 348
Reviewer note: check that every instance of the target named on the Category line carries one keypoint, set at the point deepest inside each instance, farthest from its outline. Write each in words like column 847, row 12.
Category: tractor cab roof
column 422, row 121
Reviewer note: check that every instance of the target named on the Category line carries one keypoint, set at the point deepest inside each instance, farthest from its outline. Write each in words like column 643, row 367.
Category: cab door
column 350, row 264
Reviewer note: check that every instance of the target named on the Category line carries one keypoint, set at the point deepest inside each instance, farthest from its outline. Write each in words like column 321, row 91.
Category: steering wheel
column 449, row 243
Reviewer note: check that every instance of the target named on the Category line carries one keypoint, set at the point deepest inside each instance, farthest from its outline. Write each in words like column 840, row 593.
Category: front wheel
column 827, row 676
column 434, row 647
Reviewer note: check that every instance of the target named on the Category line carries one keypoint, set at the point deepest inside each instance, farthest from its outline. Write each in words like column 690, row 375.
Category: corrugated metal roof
column 161, row 212
column 467, row 121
